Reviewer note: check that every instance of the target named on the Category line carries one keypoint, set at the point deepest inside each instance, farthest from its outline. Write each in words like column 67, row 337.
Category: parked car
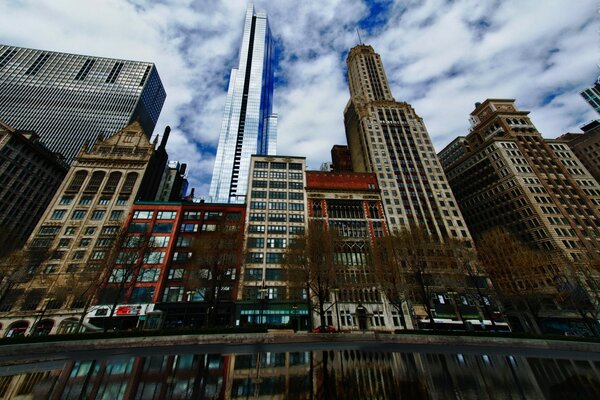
column 324, row 329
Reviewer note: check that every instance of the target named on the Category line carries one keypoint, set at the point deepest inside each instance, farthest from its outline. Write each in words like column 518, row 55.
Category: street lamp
column 263, row 298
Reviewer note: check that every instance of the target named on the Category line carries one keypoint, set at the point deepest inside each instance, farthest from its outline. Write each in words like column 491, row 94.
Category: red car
column 324, row 329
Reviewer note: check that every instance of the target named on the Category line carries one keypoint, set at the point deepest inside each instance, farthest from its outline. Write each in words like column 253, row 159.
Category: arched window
column 17, row 328
column 43, row 327
column 77, row 181
column 112, row 183
column 95, row 181
column 130, row 181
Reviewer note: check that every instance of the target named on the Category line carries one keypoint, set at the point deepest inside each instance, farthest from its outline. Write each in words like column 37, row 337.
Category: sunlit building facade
column 249, row 125
column 70, row 100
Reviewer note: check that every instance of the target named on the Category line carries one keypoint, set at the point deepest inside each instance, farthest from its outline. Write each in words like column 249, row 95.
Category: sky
column 441, row 56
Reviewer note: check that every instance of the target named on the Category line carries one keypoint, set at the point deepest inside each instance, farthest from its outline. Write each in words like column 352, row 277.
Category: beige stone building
column 504, row 174
column 77, row 229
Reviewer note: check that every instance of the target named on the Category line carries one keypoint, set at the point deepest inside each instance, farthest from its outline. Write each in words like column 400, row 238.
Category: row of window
column 281, row 229
column 277, row 185
column 276, row 205
column 278, row 175
column 115, row 215
column 87, row 200
column 277, row 165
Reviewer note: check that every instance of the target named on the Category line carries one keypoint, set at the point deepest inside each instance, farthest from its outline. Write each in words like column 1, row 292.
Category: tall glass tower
column 249, row 125
column 70, row 99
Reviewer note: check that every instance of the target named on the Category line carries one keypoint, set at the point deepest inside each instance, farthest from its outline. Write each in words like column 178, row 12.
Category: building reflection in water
column 345, row 374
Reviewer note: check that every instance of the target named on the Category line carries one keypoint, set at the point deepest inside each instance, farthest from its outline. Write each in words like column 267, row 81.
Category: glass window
column 142, row 295
column 154, row 257
column 274, row 274
column 69, row 230
column 253, row 274
column 255, row 258
column 256, row 228
column 85, row 201
column 191, row 215
column 148, row 275
column 85, row 242
column 58, row 214
column 138, row 227
column 188, row 228
column 104, row 201
column 97, row 214
column 78, row 214
column 66, row 200
column 116, row 215
column 274, row 258
column 158, row 241
column 256, row 242
column 209, row 227
column 64, row 242
column 110, row 230
column 184, row 241
column 257, row 217
column 141, row 214
column 166, row 215
column 163, row 228
column 176, row 273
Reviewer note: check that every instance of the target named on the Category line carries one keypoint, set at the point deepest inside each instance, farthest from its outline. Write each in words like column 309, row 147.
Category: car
column 324, row 329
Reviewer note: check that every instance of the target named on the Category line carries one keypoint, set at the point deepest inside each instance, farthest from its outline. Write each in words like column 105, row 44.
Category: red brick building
column 165, row 265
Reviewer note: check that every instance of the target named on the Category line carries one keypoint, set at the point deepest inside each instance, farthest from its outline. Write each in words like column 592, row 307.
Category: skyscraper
column 388, row 138
column 70, row 99
column 592, row 96
column 249, row 126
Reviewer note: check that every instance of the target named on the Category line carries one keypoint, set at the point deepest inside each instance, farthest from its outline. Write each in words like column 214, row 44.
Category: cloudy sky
column 440, row 55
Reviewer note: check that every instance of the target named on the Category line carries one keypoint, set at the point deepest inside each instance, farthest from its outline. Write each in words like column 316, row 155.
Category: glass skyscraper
column 70, row 100
column 592, row 96
column 249, row 125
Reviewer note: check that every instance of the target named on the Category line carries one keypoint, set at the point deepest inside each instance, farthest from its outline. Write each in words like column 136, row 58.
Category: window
column 260, row 174
column 256, row 242
column 50, row 269
column 259, row 184
column 295, row 185
column 78, row 214
column 122, row 201
column 104, row 201
column 50, row 230
column 176, row 273
column 111, row 230
column 64, row 242
column 261, row 164
column 162, row 228
column 188, row 228
column 277, row 205
column 129, row 183
column 71, row 268
column 253, row 274
column 154, row 257
column 116, row 215
column 276, row 243
column 295, row 176
column 255, row 258
column 274, row 258
column 69, row 231
column 279, row 175
column 148, row 275
column 142, row 295
column 277, row 229
column 296, row 206
column 85, row 201
column 258, row 205
column 57, row 214
column 209, row 227
column 278, row 195
column 97, row 214
column 277, row 217
column 296, row 230
column 66, row 200
column 104, row 242
column 296, row 166
column 274, row 274
column 137, row 227
column 173, row 294
column 95, row 181
column 296, row 218
column 158, row 241
column 85, row 242
column 258, row 194
column 296, row 196
column 166, row 215
column 78, row 255
column 256, row 228
column 257, row 217
column 191, row 215
column 278, row 165
column 141, row 214
column 278, row 185
column 182, row 256
column 111, row 184
column 77, row 181
column 184, row 241
column 98, row 255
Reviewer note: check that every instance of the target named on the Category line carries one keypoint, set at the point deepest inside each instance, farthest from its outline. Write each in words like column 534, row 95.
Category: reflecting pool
column 343, row 373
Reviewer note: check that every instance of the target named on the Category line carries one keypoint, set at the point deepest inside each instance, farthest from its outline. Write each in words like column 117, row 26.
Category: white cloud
column 439, row 55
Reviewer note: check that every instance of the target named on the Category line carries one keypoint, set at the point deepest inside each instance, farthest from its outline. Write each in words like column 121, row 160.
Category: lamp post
column 263, row 298
column 190, row 294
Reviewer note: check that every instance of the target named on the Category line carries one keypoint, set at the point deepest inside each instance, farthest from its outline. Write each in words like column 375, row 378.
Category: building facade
column 77, row 231
column 505, row 175
column 169, row 264
column 29, row 176
column 586, row 146
column 592, row 96
column 173, row 185
column 389, row 139
column 275, row 216
column 350, row 204
column 249, row 125
column 70, row 100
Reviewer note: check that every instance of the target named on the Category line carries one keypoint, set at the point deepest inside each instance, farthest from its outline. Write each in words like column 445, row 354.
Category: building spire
column 359, row 39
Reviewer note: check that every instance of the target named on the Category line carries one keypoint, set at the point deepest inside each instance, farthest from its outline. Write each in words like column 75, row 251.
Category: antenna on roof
column 359, row 39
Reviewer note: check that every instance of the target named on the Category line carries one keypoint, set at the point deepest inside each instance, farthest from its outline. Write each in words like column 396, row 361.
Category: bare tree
column 310, row 264
column 19, row 266
column 216, row 256
column 517, row 271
